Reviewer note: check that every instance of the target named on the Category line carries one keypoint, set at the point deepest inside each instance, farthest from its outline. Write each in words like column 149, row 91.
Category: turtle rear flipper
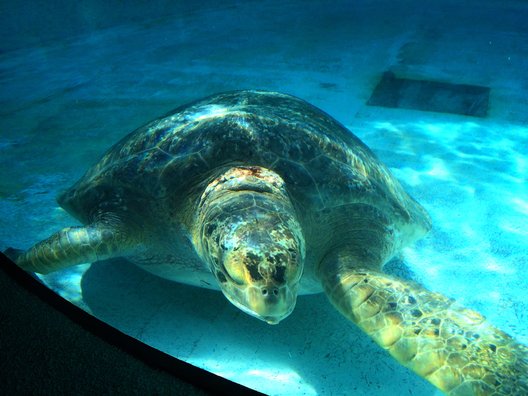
column 453, row 347
column 71, row 246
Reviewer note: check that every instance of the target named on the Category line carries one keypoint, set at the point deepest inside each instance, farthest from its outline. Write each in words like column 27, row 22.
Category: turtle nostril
column 265, row 291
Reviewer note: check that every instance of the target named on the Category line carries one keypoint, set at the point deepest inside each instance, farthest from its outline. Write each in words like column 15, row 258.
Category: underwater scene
column 438, row 90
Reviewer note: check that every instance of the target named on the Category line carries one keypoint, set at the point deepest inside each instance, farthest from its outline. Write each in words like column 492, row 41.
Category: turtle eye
column 280, row 271
column 221, row 277
column 254, row 272
column 234, row 271
column 237, row 275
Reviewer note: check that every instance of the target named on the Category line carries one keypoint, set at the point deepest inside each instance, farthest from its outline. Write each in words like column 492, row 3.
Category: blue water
column 74, row 80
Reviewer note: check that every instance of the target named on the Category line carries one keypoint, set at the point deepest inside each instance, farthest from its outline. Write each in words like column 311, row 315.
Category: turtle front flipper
column 71, row 246
column 453, row 347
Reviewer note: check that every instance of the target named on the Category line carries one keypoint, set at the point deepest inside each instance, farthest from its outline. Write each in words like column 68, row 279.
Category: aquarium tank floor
column 75, row 79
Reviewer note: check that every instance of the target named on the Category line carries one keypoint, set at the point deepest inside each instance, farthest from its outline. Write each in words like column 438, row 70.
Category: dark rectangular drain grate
column 470, row 100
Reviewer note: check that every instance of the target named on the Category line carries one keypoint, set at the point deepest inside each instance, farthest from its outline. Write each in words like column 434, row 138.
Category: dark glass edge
column 153, row 357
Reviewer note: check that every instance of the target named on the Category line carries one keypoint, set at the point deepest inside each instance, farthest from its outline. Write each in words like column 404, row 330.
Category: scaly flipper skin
column 454, row 348
column 71, row 246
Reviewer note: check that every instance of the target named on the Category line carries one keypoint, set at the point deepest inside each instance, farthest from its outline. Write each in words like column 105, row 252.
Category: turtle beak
column 269, row 303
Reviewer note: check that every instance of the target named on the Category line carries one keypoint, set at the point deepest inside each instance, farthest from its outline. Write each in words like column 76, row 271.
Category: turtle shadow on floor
column 315, row 346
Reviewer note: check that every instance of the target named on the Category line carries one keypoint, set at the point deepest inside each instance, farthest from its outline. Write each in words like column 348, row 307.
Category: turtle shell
column 168, row 162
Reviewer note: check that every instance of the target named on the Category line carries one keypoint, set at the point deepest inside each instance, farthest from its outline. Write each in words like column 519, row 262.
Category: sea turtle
column 264, row 197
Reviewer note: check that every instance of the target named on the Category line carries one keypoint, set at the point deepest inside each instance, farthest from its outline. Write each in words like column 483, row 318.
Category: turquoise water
column 68, row 96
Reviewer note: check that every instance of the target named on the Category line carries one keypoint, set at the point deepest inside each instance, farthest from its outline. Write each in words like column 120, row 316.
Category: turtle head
column 249, row 235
